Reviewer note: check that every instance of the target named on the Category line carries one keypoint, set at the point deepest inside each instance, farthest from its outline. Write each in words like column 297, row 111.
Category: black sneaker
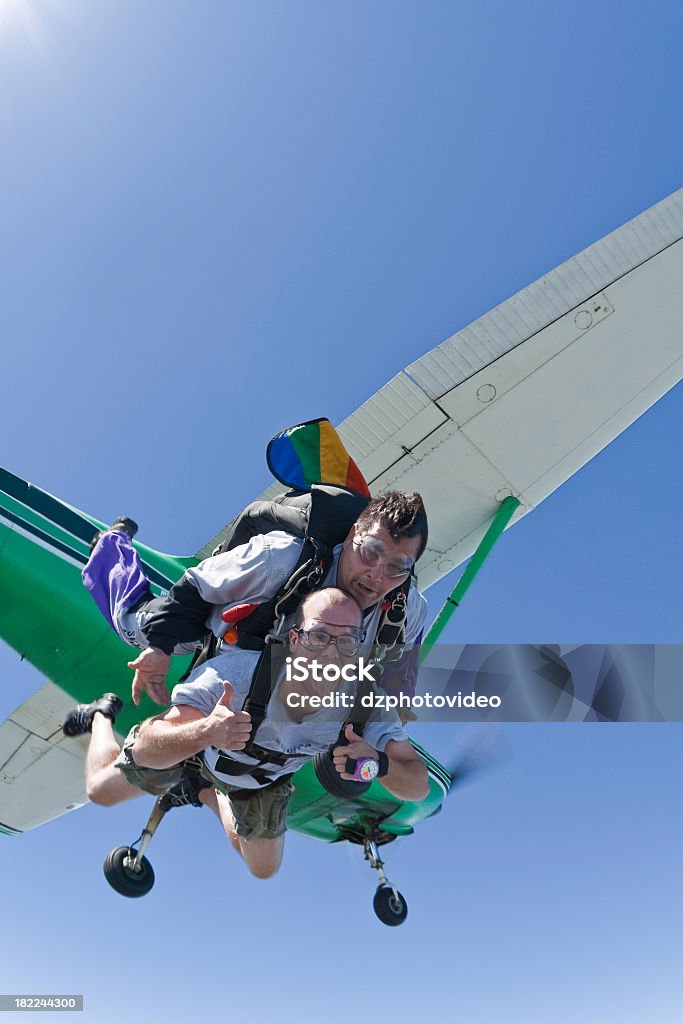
column 186, row 792
column 79, row 721
column 122, row 524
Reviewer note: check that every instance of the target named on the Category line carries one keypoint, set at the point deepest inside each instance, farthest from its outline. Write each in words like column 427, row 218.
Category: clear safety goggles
column 373, row 553
column 347, row 644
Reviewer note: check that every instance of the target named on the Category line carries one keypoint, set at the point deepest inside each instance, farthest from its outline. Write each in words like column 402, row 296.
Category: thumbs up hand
column 227, row 729
column 227, row 695
column 354, row 749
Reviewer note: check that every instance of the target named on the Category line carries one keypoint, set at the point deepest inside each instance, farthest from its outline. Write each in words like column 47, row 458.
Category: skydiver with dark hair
column 377, row 556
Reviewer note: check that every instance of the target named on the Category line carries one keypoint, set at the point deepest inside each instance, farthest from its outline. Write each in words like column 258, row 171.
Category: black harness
column 322, row 518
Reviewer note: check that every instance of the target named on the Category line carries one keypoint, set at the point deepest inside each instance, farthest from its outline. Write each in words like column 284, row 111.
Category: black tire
column 391, row 909
column 122, row 878
column 329, row 777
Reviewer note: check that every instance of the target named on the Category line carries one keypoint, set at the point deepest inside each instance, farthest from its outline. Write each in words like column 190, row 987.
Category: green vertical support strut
column 502, row 518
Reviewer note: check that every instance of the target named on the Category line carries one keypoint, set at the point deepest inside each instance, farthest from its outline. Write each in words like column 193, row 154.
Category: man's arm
column 249, row 573
column 407, row 775
column 178, row 618
column 183, row 731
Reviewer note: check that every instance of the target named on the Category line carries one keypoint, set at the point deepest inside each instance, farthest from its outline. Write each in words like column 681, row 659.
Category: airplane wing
column 513, row 404
column 41, row 770
column 521, row 399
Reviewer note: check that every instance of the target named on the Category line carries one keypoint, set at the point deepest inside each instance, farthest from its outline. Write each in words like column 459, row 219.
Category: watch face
column 367, row 769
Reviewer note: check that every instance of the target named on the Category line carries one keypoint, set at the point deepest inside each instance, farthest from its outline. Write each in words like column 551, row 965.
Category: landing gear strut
column 388, row 903
column 127, row 869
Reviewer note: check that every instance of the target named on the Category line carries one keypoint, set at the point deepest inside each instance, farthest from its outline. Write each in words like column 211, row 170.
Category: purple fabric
column 114, row 575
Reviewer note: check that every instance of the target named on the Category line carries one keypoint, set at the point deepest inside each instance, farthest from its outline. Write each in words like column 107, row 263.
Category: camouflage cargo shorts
column 259, row 813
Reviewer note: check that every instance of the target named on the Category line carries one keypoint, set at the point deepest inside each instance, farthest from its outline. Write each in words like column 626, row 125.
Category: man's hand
column 356, row 748
column 151, row 668
column 226, row 729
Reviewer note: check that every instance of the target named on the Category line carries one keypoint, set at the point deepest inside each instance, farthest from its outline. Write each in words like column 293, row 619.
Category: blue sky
column 221, row 218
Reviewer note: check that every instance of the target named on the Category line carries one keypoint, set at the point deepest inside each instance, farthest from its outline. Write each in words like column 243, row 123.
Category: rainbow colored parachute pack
column 313, row 453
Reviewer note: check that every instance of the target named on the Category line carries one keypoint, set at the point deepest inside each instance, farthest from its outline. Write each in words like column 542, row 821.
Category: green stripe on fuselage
column 49, row 618
column 47, row 615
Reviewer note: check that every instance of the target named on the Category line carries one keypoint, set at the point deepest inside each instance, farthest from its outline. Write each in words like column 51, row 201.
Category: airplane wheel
column 390, row 908
column 123, row 878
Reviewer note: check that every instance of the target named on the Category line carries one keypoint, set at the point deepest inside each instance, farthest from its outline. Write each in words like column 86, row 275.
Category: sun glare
column 22, row 17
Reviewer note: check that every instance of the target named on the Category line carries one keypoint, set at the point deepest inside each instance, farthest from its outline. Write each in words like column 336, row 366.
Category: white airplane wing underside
column 513, row 404
column 521, row 399
column 41, row 770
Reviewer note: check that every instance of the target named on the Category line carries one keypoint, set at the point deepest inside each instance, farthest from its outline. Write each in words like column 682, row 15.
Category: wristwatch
column 365, row 769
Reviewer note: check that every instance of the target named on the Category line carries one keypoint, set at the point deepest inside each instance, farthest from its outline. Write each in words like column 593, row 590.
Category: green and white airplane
column 485, row 426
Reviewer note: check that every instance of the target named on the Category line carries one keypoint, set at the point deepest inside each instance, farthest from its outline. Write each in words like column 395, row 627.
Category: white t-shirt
column 317, row 732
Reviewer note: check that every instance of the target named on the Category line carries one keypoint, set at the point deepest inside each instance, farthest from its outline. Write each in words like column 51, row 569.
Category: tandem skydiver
column 376, row 559
column 195, row 751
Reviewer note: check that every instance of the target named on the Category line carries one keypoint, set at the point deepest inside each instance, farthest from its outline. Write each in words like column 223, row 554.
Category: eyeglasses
column 347, row 644
column 373, row 553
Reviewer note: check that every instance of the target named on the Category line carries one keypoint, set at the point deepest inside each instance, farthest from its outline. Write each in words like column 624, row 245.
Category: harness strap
column 256, row 704
column 260, row 776
column 263, row 754
column 307, row 577
column 228, row 766
column 309, row 573
column 391, row 629
column 259, row 694
column 245, row 794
